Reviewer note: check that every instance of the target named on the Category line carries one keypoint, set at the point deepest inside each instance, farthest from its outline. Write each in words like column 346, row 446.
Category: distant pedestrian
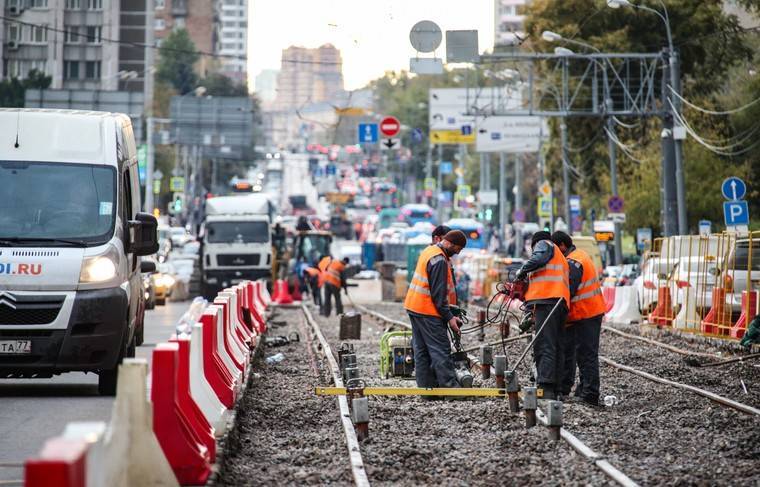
column 439, row 232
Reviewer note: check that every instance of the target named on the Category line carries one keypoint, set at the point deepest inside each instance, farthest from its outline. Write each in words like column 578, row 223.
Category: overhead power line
column 714, row 112
column 143, row 45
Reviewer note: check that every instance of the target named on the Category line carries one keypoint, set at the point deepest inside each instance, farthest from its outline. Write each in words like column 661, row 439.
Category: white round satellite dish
column 425, row 36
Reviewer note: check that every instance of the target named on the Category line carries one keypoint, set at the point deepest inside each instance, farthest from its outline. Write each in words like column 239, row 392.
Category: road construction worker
column 439, row 232
column 312, row 280
column 334, row 280
column 548, row 300
column 324, row 261
column 584, row 322
column 431, row 292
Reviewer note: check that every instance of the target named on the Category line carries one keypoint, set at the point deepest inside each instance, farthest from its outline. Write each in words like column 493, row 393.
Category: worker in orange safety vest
column 334, row 279
column 584, row 322
column 431, row 292
column 548, row 300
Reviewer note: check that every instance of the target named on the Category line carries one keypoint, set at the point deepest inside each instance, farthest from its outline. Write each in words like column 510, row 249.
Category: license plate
column 15, row 347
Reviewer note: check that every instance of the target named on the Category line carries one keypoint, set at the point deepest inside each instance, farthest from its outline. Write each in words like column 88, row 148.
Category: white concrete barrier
column 234, row 371
column 92, row 432
column 687, row 316
column 240, row 349
column 132, row 454
column 626, row 309
column 615, row 306
column 215, row 412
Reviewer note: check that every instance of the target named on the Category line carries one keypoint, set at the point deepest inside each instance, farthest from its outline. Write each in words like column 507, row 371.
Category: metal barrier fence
column 702, row 284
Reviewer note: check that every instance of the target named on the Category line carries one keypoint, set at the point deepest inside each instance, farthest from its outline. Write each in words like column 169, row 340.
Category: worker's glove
column 521, row 275
column 527, row 323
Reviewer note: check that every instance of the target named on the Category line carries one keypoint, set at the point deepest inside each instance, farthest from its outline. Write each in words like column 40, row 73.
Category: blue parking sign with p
column 736, row 213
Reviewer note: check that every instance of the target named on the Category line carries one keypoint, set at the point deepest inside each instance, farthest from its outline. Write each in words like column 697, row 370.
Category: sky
column 373, row 36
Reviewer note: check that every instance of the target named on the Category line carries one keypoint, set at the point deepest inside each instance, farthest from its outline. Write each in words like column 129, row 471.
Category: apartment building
column 233, row 39
column 66, row 39
column 509, row 21
column 200, row 19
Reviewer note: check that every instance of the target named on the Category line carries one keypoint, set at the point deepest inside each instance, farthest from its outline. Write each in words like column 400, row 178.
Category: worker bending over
column 548, row 300
column 431, row 292
column 584, row 322
column 334, row 278
column 312, row 276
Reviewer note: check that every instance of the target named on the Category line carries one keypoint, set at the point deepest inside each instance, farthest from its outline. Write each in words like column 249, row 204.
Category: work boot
column 592, row 403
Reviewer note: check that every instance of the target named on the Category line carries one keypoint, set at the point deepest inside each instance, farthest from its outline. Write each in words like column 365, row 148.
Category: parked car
column 654, row 274
column 738, row 270
column 628, row 274
column 696, row 273
column 611, row 274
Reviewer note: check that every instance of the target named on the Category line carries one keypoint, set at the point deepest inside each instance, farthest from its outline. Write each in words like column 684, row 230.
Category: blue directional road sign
column 446, row 167
column 733, row 188
column 417, row 135
column 736, row 213
column 368, row 133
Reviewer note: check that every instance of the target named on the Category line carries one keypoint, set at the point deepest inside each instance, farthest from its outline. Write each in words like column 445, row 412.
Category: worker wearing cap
column 312, row 278
column 439, row 232
column 334, row 279
column 431, row 292
column 548, row 300
column 584, row 322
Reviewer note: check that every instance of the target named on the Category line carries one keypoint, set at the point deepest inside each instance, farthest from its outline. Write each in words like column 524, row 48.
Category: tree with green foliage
column 217, row 84
column 710, row 43
column 13, row 91
column 176, row 64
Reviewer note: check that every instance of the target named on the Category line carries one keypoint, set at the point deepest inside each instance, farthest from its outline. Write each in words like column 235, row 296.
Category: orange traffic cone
column 283, row 296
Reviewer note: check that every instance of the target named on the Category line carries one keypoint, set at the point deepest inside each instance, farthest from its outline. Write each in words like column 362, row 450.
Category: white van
column 71, row 237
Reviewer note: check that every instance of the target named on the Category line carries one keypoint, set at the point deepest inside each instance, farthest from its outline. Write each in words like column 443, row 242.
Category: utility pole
column 429, row 168
column 614, row 185
column 565, row 172
column 502, row 196
column 518, row 201
column 668, row 179
column 675, row 83
column 439, row 186
column 149, row 58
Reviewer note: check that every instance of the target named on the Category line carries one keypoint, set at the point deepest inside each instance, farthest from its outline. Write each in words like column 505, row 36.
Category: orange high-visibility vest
column 322, row 266
column 312, row 271
column 418, row 298
column 588, row 301
column 332, row 274
column 550, row 281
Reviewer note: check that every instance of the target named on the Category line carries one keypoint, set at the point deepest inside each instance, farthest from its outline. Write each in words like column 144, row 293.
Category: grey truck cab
column 71, row 237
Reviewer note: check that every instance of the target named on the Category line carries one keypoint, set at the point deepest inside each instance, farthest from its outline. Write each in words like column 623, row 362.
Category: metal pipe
column 565, row 172
column 502, row 196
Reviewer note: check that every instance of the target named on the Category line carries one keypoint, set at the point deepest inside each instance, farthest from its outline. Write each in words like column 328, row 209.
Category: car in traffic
column 417, row 213
column 473, row 230
column 654, row 275
column 72, row 237
column 696, row 274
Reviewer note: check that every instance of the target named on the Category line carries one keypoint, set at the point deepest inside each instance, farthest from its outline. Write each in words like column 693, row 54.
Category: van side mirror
column 715, row 271
column 147, row 267
column 143, row 234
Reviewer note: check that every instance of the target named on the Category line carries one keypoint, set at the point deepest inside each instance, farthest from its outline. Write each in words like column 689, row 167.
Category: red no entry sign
column 390, row 126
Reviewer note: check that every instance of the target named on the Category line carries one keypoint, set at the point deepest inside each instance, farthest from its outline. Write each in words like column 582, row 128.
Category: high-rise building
column 266, row 85
column 309, row 76
column 65, row 39
column 233, row 39
column 200, row 20
column 509, row 22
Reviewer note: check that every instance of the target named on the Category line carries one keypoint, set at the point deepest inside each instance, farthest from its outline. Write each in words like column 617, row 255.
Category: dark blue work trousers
column 433, row 366
column 581, row 348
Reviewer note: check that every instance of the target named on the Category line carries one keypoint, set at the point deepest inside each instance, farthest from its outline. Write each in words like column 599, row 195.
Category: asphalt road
column 34, row 410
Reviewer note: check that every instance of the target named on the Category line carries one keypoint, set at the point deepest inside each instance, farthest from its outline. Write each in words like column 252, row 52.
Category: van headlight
column 99, row 268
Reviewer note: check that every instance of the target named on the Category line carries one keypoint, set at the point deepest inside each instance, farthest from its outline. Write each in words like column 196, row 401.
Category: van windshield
column 238, row 232
column 59, row 203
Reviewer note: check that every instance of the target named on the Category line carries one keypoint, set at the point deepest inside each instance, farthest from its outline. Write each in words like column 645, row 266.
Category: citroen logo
column 8, row 299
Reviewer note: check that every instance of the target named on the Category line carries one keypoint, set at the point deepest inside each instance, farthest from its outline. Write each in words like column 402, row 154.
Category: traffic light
column 156, row 212
column 489, row 214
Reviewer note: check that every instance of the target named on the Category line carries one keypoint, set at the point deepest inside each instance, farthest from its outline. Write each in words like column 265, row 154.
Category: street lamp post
column 675, row 102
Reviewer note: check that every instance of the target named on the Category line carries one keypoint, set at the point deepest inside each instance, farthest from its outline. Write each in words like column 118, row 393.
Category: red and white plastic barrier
column 625, row 305
column 172, row 438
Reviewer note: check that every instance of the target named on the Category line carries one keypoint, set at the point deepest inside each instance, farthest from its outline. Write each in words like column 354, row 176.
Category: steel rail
column 656, row 343
column 710, row 395
column 355, row 456
column 581, row 448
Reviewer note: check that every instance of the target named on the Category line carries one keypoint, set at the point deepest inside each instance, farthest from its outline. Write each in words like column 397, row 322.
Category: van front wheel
column 107, row 379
